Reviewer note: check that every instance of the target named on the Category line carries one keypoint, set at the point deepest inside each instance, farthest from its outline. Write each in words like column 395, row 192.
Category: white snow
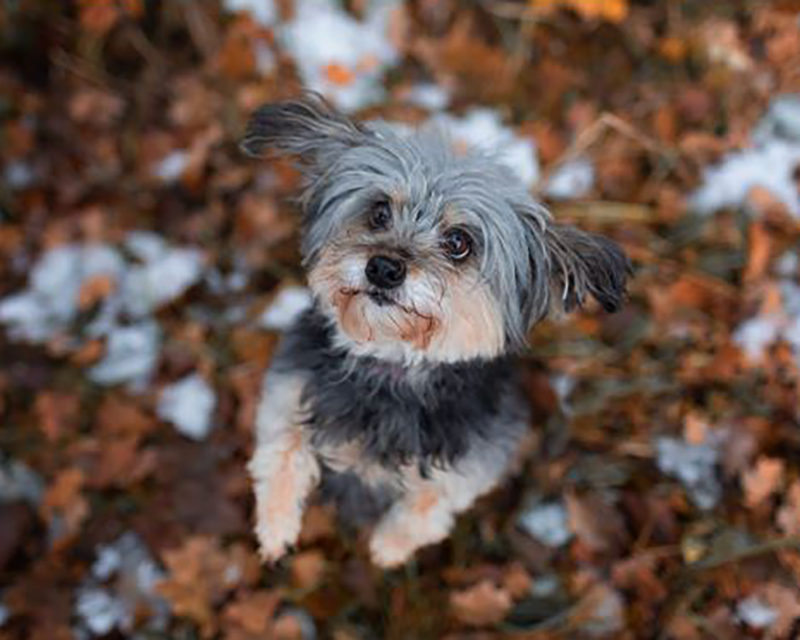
column 131, row 354
column 18, row 175
column 757, row 333
column 782, row 119
column 287, row 305
column 101, row 611
column 770, row 163
column 756, row 613
column 694, row 465
column 189, row 405
column 263, row 11
column 19, row 482
column 483, row 129
column 50, row 303
column 326, row 42
column 171, row 167
column 119, row 588
column 156, row 274
column 548, row 523
column 573, row 179
column 427, row 95
column 165, row 275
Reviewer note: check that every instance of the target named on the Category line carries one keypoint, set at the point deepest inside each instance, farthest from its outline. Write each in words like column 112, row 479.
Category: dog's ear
column 583, row 263
column 308, row 127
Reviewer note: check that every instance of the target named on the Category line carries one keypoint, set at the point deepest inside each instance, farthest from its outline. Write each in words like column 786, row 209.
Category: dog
column 428, row 266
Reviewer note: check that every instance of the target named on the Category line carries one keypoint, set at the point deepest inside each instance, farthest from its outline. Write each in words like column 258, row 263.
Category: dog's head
column 418, row 252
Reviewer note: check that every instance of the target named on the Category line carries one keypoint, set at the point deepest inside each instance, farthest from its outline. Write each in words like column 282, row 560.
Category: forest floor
column 147, row 268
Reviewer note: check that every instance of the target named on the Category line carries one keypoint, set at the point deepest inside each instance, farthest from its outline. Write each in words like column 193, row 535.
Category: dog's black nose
column 385, row 273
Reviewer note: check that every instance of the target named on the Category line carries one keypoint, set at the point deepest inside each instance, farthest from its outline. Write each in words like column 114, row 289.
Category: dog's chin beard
column 380, row 298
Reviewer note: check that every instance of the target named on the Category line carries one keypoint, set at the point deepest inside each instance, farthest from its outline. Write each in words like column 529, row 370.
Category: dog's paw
column 275, row 541
column 390, row 547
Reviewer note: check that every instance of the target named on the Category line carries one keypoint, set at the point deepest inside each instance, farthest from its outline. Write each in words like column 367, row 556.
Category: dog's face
column 419, row 253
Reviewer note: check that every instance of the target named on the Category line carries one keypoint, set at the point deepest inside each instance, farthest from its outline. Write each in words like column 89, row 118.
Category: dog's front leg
column 426, row 512
column 284, row 468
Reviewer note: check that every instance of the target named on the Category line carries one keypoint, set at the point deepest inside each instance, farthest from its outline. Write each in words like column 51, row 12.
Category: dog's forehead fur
column 433, row 186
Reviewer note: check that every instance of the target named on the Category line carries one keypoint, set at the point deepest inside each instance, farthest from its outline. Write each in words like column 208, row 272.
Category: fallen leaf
column 200, row 575
column 481, row 605
column 763, row 480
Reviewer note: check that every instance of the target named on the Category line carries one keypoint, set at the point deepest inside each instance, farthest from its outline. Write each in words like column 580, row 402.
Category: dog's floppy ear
column 583, row 263
column 308, row 127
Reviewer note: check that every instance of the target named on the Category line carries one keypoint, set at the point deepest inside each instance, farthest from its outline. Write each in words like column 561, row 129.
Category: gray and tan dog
column 428, row 269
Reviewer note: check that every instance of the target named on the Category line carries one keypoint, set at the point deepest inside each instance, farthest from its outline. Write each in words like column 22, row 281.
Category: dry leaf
column 250, row 616
column 764, row 479
column 788, row 517
column 611, row 10
column 481, row 605
column 308, row 569
column 200, row 575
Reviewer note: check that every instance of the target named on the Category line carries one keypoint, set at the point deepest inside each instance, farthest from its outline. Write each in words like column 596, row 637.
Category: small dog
column 428, row 268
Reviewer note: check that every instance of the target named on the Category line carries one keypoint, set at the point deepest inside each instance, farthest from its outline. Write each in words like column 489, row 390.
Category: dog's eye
column 457, row 243
column 380, row 216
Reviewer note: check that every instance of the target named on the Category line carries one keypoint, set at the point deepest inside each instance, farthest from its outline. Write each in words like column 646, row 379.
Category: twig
column 605, row 211
column 594, row 132
column 769, row 546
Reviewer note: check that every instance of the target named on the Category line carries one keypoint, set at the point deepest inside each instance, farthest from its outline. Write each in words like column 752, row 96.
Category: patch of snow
column 755, row 613
column 131, row 355
column 19, row 175
column 756, row 334
column 285, row 308
column 563, row 385
column 694, row 465
column 50, row 303
column 428, row 95
column 573, row 179
column 263, row 11
column 119, row 588
column 20, row 482
column 165, row 275
column 100, row 611
column 771, row 166
column 608, row 615
column 787, row 265
column 483, row 129
column 770, row 163
column 154, row 274
column 189, row 405
column 265, row 59
column 782, row 120
column 171, row 167
column 548, row 523
column 341, row 57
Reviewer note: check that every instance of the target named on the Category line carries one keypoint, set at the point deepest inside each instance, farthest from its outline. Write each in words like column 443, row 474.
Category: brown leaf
column 64, row 501
column 788, row 517
column 308, row 569
column 597, row 524
column 481, row 605
column 57, row 414
column 200, row 575
column 763, row 480
column 95, row 290
column 611, row 10
column 250, row 616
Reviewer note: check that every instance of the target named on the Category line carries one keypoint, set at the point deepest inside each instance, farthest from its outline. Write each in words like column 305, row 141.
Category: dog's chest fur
column 396, row 415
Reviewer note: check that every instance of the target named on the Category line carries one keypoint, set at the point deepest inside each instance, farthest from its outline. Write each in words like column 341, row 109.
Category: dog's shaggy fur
column 428, row 269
